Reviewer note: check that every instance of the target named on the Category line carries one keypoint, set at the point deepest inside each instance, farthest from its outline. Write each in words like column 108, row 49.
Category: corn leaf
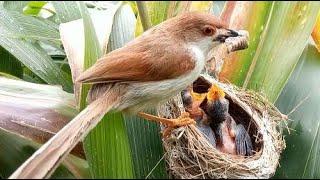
column 30, row 115
column 9, row 76
column 107, row 146
column 37, row 61
column 34, row 7
column 15, row 5
column 14, row 151
column 66, row 10
column 13, row 27
column 300, row 100
column 279, row 32
column 92, row 49
column 157, row 12
column 146, row 148
column 17, row 25
column 35, row 112
column 9, row 64
column 72, row 36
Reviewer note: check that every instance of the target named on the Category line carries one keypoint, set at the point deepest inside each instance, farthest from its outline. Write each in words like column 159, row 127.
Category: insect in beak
column 223, row 34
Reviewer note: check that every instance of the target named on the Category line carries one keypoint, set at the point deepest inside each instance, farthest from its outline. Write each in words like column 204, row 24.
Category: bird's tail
column 46, row 159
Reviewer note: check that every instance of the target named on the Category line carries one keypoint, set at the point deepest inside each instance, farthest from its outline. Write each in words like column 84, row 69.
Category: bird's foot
column 183, row 120
column 170, row 124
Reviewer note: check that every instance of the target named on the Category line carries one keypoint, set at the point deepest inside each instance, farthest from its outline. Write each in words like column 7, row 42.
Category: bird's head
column 198, row 96
column 215, row 93
column 201, row 29
column 189, row 96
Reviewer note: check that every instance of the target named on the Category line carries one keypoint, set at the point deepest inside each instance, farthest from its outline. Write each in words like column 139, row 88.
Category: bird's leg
column 171, row 124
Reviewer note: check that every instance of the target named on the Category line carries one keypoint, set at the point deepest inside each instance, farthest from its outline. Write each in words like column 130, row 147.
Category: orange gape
column 193, row 109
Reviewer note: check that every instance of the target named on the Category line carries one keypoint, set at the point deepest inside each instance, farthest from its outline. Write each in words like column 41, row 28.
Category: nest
column 190, row 155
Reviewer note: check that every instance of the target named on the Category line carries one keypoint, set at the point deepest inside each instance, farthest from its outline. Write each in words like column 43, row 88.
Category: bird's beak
column 223, row 34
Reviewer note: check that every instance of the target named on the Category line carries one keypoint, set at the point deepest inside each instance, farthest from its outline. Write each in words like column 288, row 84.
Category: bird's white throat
column 205, row 45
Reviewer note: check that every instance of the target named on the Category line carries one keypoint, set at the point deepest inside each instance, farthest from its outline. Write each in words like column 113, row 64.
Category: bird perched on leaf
column 231, row 138
column 145, row 72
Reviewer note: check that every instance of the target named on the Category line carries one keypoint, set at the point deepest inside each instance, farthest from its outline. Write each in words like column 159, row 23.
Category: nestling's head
column 199, row 28
column 215, row 105
column 215, row 93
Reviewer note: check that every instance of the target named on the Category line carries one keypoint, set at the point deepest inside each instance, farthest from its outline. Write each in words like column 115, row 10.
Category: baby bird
column 231, row 138
column 191, row 101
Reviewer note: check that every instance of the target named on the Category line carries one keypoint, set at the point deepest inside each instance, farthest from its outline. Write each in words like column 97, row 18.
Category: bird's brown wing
column 140, row 63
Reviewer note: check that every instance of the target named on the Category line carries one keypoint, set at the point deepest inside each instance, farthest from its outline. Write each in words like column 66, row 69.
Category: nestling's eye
column 208, row 30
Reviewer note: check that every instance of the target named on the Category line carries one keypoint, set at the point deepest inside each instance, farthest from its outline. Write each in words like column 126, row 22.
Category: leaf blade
column 266, row 66
column 66, row 10
column 300, row 100
column 105, row 160
column 35, row 112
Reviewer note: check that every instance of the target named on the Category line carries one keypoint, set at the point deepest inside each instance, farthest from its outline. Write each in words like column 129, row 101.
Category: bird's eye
column 208, row 30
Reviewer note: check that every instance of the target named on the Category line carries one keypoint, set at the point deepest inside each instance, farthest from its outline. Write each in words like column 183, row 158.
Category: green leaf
column 37, row 61
column 15, row 5
column 14, row 151
column 92, row 49
column 107, row 149
column 145, row 142
column 34, row 7
column 8, row 76
column 30, row 115
column 72, row 36
column 17, row 25
column 134, row 7
column 29, row 76
column 146, row 148
column 66, row 10
column 300, row 100
column 279, row 32
column 27, row 52
column 9, row 64
column 157, row 12
column 106, row 146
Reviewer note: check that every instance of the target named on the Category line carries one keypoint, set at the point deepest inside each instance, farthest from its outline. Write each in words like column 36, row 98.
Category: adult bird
column 145, row 72
column 231, row 138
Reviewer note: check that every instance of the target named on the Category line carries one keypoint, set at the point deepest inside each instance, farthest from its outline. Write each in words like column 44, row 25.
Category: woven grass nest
column 189, row 155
